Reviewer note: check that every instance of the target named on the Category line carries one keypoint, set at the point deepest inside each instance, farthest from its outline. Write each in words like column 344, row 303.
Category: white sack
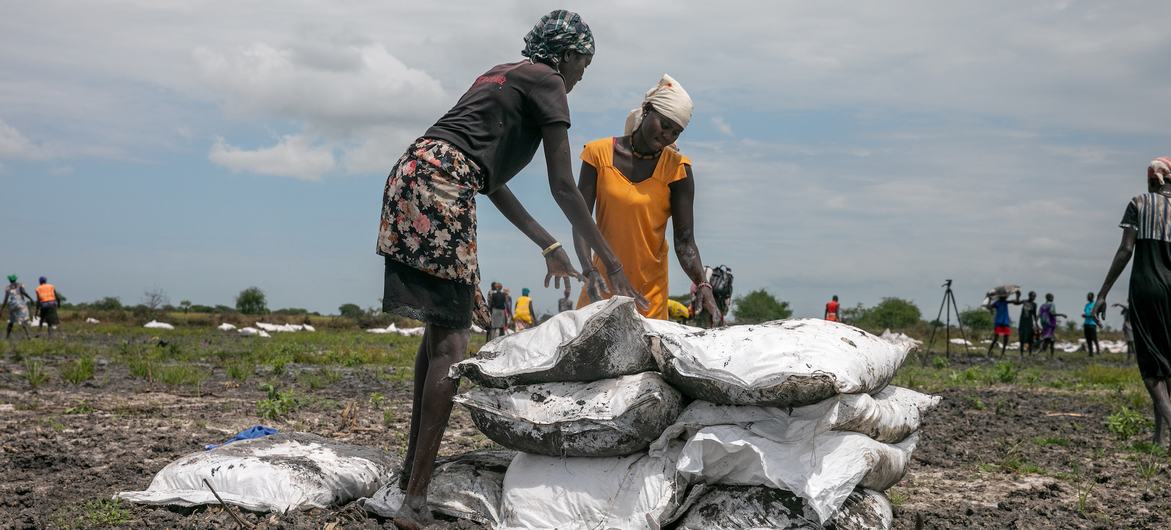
column 92, row 320
column 822, row 470
column 901, row 340
column 307, row 327
column 889, row 416
column 632, row 492
column 611, row 417
column 740, row 507
column 603, row 340
column 468, row 486
column 154, row 324
column 779, row 363
column 225, row 327
column 274, row 473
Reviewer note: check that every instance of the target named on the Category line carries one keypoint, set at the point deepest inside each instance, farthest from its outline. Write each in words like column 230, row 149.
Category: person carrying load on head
column 523, row 314
column 427, row 232
column 1002, row 322
column 17, row 309
column 47, row 302
column 638, row 182
column 831, row 309
column 1146, row 237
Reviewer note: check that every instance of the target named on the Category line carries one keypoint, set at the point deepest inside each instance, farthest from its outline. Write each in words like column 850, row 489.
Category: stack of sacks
column 797, row 406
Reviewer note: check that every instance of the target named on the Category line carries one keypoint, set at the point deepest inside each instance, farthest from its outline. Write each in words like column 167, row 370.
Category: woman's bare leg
column 1157, row 388
column 445, row 346
column 421, row 364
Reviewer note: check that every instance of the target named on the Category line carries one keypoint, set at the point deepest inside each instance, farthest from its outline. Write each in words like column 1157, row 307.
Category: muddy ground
column 1000, row 456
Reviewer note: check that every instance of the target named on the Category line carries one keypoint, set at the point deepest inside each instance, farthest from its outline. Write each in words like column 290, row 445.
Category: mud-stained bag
column 275, row 473
column 779, row 363
column 633, row 492
column 822, row 470
column 467, row 486
column 612, row 417
column 739, row 507
column 603, row 340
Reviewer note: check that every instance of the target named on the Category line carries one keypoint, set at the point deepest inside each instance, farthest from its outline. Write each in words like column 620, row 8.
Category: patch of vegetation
column 897, row 497
column 277, row 405
column 241, row 371
column 376, row 399
column 80, row 408
column 79, row 370
column 142, row 368
column 1005, row 372
column 977, row 403
column 1149, row 448
column 34, row 373
column 106, row 512
column 759, row 306
column 181, row 375
column 940, row 362
column 388, row 417
column 1125, row 423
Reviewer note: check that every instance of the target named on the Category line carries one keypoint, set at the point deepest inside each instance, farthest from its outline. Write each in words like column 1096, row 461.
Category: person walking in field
column 1146, row 237
column 47, row 302
column 523, row 315
column 498, row 311
column 831, row 309
column 637, row 182
column 427, row 232
column 1048, row 316
column 1127, row 330
column 1027, row 330
column 1090, row 326
column 17, row 309
column 1002, row 322
column 565, row 303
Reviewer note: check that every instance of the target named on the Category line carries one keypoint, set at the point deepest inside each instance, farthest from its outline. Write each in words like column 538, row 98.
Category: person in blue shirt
column 1090, row 326
column 1002, row 322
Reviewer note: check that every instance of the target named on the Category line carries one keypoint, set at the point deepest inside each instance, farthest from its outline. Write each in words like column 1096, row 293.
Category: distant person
column 1090, row 326
column 1027, row 330
column 637, row 183
column 508, row 316
column 47, row 302
column 831, row 310
column 565, row 303
column 427, row 230
column 677, row 312
column 17, row 309
column 1002, row 322
column 1127, row 330
column 498, row 309
column 524, row 314
column 1146, row 236
column 1049, row 316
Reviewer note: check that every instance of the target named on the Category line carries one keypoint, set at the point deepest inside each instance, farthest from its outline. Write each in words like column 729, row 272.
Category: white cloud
column 293, row 156
column 13, row 144
column 722, row 125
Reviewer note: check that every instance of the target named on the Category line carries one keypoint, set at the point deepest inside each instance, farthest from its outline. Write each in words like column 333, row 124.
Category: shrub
column 350, row 311
column 890, row 313
column 278, row 404
column 978, row 319
column 760, row 306
column 251, row 301
column 1126, row 423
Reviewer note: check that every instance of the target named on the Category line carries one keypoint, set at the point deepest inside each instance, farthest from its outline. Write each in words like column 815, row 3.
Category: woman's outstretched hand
column 707, row 301
column 559, row 267
column 620, row 286
column 594, row 285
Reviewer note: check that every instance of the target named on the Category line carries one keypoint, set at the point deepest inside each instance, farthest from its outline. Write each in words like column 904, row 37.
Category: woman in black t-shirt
column 428, row 228
column 1146, row 236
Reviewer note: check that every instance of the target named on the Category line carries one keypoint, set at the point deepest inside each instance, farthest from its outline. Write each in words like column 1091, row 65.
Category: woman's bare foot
column 413, row 515
column 404, row 478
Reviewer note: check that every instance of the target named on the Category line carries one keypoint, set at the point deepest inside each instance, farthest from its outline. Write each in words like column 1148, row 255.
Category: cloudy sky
column 863, row 149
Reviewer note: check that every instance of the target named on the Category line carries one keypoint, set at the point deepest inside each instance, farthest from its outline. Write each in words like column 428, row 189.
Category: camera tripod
column 946, row 307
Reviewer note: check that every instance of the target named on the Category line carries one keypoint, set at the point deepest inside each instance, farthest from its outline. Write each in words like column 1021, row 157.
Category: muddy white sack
column 611, row 417
column 632, row 492
column 739, row 507
column 603, row 340
column 822, row 470
column 888, row 416
column 779, row 363
column 468, row 486
column 275, row 473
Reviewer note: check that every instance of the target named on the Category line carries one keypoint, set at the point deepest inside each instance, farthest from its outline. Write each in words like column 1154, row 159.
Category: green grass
column 80, row 408
column 78, row 370
column 278, row 405
column 181, row 375
column 106, row 512
column 34, row 373
column 1126, row 423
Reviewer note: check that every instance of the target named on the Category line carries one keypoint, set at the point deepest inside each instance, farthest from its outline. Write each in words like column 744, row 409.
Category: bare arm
column 683, row 225
column 1121, row 259
column 516, row 214
column 587, row 185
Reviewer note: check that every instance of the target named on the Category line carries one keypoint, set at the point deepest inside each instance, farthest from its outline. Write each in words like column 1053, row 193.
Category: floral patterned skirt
column 428, row 236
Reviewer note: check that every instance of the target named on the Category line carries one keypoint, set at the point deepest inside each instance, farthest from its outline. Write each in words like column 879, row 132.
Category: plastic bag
column 779, row 363
column 612, row 417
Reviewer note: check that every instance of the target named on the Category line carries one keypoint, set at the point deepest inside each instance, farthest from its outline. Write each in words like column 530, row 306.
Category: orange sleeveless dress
column 633, row 219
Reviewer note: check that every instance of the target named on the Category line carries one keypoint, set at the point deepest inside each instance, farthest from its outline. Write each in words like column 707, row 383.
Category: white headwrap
column 669, row 99
column 1159, row 170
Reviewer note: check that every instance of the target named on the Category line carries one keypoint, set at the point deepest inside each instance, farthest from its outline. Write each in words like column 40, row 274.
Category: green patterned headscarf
column 556, row 33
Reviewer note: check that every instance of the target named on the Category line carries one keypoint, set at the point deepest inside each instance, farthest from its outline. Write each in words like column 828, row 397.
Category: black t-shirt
column 498, row 121
column 497, row 300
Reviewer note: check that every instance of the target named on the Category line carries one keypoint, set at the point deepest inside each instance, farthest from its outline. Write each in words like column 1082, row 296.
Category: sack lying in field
column 251, row 331
column 901, row 340
column 603, row 340
column 225, row 327
column 779, row 363
column 92, row 320
column 739, row 507
column 275, row 473
column 611, row 417
column 154, row 324
column 889, row 416
column 822, row 470
column 632, row 492
column 468, row 487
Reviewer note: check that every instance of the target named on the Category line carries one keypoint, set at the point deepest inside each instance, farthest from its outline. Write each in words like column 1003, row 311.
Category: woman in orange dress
column 635, row 184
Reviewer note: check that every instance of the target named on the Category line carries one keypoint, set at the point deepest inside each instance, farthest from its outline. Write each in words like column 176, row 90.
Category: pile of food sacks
column 619, row 421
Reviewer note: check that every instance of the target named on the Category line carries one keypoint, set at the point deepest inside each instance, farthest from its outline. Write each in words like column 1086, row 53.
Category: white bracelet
column 556, row 245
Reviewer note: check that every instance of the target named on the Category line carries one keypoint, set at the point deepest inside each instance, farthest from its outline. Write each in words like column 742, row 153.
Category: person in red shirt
column 831, row 310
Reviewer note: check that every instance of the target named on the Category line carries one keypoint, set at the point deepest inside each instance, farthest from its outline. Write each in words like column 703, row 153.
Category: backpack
column 721, row 281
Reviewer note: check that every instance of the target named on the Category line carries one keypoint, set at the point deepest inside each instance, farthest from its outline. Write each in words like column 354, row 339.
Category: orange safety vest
column 46, row 293
column 831, row 311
